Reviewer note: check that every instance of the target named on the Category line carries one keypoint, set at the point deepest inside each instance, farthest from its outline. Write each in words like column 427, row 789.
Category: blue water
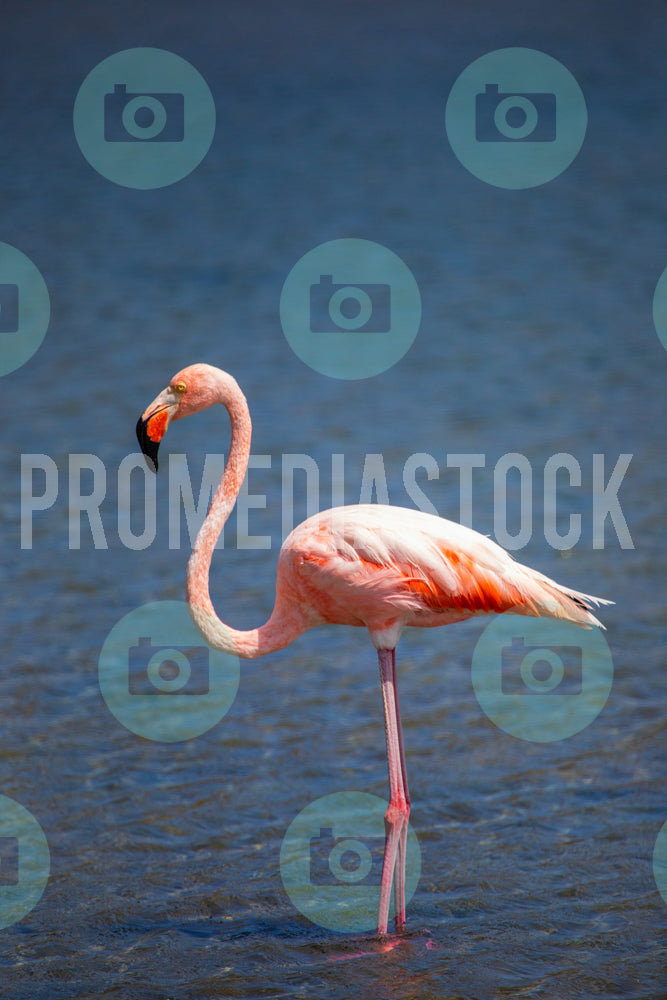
column 536, row 338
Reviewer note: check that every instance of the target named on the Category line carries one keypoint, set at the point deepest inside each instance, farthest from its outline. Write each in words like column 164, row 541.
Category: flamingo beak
column 152, row 425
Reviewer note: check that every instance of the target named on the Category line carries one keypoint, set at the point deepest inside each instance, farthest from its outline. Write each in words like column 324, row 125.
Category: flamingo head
column 190, row 390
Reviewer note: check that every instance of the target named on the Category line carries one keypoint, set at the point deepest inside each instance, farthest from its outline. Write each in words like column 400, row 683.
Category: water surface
column 536, row 338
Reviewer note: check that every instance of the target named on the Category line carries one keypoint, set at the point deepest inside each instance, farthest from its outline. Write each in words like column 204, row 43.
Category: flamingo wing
column 374, row 565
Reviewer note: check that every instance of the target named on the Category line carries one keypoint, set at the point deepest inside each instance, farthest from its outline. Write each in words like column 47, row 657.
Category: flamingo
column 371, row 565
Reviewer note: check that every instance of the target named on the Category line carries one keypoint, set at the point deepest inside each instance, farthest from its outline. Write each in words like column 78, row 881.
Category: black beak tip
column 148, row 447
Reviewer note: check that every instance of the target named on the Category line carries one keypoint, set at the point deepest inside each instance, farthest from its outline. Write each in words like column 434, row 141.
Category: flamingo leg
column 399, row 882
column 398, row 812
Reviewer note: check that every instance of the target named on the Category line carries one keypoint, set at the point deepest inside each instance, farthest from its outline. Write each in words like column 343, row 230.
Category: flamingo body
column 368, row 565
column 389, row 567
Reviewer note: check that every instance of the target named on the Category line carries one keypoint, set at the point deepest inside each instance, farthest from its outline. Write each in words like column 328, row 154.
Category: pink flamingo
column 369, row 565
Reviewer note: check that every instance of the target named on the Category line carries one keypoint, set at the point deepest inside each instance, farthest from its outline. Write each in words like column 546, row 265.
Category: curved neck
column 281, row 628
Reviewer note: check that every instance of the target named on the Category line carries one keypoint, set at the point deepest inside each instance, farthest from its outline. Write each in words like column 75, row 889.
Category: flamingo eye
column 180, row 387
